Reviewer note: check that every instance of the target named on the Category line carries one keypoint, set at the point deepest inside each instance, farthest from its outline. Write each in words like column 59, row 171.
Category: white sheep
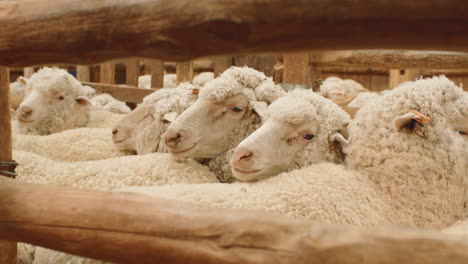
column 363, row 98
column 228, row 109
column 107, row 102
column 169, row 81
column 71, row 145
column 142, row 130
column 334, row 87
column 54, row 101
column 301, row 128
column 397, row 170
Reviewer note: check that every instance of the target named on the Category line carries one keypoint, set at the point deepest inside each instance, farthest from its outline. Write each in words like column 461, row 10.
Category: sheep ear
column 83, row 100
column 341, row 140
column 147, row 140
column 408, row 120
column 260, row 107
column 170, row 117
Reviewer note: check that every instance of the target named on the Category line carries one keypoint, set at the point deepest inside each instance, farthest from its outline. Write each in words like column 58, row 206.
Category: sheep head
column 54, row 101
column 227, row 110
column 300, row 129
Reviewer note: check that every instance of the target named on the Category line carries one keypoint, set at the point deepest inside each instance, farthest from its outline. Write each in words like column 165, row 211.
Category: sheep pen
column 100, row 224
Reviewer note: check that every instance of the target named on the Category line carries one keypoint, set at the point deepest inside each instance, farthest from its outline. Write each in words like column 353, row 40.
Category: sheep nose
column 115, row 131
column 242, row 156
column 25, row 111
column 173, row 137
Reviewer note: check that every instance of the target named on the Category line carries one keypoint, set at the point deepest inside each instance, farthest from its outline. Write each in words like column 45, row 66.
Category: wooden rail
column 124, row 93
column 152, row 230
column 108, row 29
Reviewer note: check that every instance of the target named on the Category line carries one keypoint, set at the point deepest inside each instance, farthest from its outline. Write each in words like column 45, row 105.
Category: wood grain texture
column 221, row 63
column 184, row 71
column 82, row 73
column 390, row 59
column 8, row 250
column 163, row 231
column 296, row 68
column 157, row 73
column 33, row 32
column 107, row 73
column 123, row 93
column 132, row 71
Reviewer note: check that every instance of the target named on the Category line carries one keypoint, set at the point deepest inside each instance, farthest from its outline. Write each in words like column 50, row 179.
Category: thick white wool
column 421, row 171
column 362, row 99
column 103, row 119
column 17, row 90
column 170, row 80
column 79, row 144
column 202, row 78
column 58, row 116
column 107, row 102
column 89, row 91
column 334, row 86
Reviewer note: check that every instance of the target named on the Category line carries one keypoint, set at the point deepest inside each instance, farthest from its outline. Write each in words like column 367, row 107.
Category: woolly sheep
column 103, row 119
column 362, row 98
column 334, row 87
column 54, row 101
column 202, row 78
column 79, row 144
column 169, row 81
column 397, row 170
column 226, row 111
column 109, row 103
column 301, row 128
column 142, row 129
column 17, row 91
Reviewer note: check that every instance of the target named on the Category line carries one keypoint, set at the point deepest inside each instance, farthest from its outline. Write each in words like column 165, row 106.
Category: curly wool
column 79, row 144
column 345, row 87
column 107, row 102
column 421, row 172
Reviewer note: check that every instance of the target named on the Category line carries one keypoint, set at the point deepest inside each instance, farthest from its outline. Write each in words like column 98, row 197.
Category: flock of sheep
column 241, row 141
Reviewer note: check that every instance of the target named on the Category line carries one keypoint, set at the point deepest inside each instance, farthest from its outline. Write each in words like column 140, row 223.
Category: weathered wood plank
column 82, row 73
column 8, row 250
column 106, row 29
column 157, row 73
column 392, row 59
column 184, row 71
column 163, row 231
column 296, row 68
column 124, row 93
column 107, row 73
column 132, row 71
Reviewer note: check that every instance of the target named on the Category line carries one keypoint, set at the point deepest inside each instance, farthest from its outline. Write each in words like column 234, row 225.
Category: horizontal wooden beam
column 390, row 59
column 33, row 32
column 101, row 224
column 124, row 93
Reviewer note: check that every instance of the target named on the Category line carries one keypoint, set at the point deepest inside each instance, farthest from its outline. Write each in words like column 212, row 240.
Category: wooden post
column 221, row 63
column 132, row 71
column 296, row 68
column 82, row 73
column 28, row 71
column 254, row 61
column 8, row 250
column 184, row 71
column 157, row 73
column 240, row 60
column 397, row 76
column 268, row 65
column 108, row 73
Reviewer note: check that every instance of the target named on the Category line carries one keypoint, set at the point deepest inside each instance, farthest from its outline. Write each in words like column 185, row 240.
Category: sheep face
column 204, row 128
column 301, row 128
column 52, row 103
column 123, row 134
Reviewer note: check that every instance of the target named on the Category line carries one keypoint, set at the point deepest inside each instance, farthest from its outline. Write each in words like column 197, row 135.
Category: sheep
column 107, row 102
column 396, row 171
column 54, row 101
column 169, row 81
column 17, row 91
column 141, row 130
column 228, row 109
column 334, row 87
column 202, row 78
column 71, row 145
column 103, row 119
column 362, row 98
column 301, row 128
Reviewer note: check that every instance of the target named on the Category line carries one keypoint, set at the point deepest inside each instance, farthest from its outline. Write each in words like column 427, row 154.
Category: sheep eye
column 236, row 109
column 308, row 136
column 61, row 97
column 461, row 132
